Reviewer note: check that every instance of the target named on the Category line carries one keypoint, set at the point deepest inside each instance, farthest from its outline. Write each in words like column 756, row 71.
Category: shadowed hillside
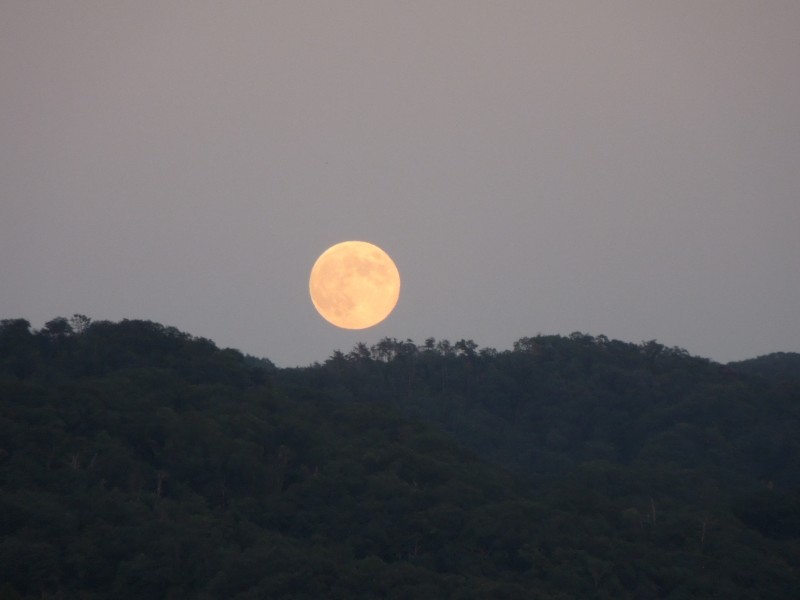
column 137, row 461
column 555, row 402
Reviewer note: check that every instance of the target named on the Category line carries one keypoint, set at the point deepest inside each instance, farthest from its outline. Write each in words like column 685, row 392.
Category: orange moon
column 354, row 285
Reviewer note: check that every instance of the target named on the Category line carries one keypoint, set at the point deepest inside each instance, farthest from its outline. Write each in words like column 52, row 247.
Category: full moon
column 354, row 285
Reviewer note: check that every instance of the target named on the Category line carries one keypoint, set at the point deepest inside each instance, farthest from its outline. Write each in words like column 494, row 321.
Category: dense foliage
column 137, row 461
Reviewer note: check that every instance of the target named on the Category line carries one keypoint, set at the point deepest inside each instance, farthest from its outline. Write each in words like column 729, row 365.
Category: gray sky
column 621, row 168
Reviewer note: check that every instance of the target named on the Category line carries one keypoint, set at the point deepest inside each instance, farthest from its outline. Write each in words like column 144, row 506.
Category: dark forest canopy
column 138, row 461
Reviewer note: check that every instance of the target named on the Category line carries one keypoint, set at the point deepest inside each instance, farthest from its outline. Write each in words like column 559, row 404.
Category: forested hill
column 137, row 461
column 554, row 402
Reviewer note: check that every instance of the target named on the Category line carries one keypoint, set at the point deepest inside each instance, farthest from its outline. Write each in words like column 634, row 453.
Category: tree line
column 138, row 461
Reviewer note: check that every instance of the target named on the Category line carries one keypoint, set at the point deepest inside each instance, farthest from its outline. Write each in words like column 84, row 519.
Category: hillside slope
column 137, row 461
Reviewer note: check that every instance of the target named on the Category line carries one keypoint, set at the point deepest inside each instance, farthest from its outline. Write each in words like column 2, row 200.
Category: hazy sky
column 627, row 168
